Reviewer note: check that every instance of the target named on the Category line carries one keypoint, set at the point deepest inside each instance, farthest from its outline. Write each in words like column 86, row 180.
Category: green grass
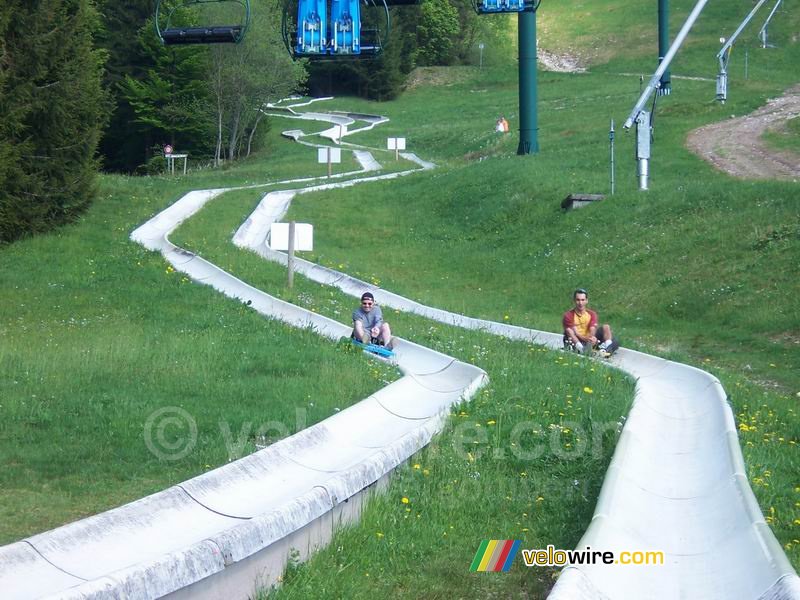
column 786, row 138
column 96, row 334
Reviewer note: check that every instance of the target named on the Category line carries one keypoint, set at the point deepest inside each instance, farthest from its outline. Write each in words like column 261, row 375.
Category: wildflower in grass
column 417, row 466
column 505, row 317
column 588, row 390
column 426, row 472
column 490, row 422
column 540, row 499
column 379, row 534
column 404, row 500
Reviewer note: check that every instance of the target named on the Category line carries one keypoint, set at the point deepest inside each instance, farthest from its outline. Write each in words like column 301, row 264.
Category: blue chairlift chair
column 499, row 6
column 312, row 27
column 346, row 24
column 310, row 34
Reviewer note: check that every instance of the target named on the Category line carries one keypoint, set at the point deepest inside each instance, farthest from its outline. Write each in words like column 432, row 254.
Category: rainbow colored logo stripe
column 495, row 555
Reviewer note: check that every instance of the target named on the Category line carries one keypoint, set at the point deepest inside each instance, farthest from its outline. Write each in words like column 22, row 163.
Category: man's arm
column 377, row 316
column 592, row 338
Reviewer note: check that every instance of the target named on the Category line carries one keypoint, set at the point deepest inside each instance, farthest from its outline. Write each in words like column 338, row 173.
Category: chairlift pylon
column 172, row 33
column 332, row 29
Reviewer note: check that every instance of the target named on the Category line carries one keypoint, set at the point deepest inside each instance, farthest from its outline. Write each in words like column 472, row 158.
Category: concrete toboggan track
column 676, row 482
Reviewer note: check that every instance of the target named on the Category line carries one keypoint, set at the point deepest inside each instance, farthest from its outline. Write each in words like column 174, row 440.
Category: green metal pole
column 528, row 117
column 663, row 44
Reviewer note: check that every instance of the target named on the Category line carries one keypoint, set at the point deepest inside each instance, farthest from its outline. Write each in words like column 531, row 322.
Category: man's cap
column 367, row 296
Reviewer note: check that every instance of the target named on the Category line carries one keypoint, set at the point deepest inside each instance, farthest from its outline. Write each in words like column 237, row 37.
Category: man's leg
column 572, row 342
column 386, row 336
column 607, row 342
column 604, row 336
column 359, row 333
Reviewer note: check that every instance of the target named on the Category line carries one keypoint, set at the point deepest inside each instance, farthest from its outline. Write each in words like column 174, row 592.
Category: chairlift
column 317, row 33
column 172, row 33
column 489, row 7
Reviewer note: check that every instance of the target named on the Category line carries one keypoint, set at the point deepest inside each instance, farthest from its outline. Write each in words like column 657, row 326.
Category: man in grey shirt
column 368, row 324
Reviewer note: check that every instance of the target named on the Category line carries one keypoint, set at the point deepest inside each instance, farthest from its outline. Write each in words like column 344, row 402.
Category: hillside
column 97, row 333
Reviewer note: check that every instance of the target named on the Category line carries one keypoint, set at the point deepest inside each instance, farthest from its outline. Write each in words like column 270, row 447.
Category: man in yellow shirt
column 581, row 331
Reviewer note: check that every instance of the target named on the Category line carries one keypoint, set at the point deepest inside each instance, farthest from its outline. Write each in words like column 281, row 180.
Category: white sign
column 397, row 143
column 303, row 236
column 335, row 154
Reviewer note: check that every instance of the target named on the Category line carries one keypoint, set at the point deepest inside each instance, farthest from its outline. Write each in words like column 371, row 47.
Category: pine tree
column 52, row 110
column 121, row 146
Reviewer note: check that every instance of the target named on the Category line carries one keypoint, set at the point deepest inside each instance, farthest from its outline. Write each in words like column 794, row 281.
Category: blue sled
column 374, row 349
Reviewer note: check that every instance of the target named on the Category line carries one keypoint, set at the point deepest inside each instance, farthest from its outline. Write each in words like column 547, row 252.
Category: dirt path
column 735, row 146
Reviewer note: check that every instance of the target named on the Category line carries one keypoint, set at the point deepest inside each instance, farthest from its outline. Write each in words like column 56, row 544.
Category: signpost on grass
column 170, row 157
column 396, row 144
column 329, row 155
column 289, row 237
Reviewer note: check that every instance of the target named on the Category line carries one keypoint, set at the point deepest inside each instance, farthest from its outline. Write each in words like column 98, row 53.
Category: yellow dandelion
column 540, row 499
column 417, row 466
column 379, row 534
column 490, row 422
column 426, row 472
column 404, row 500
column 588, row 390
